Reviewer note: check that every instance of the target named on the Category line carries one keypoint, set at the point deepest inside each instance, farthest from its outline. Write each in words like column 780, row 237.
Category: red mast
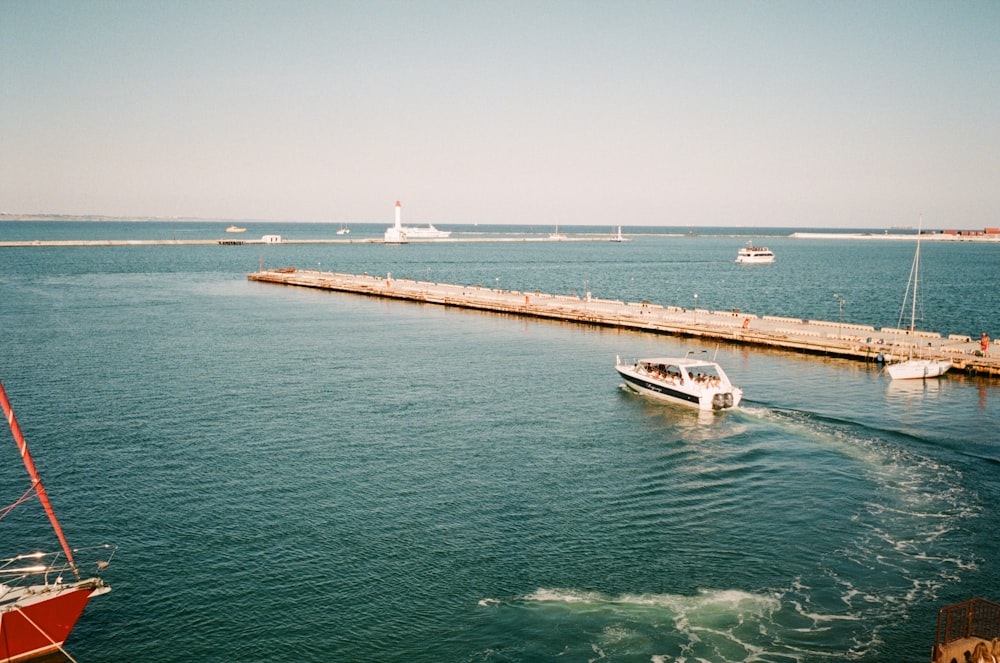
column 36, row 481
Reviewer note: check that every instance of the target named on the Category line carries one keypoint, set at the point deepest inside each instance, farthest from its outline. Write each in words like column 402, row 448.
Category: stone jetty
column 817, row 337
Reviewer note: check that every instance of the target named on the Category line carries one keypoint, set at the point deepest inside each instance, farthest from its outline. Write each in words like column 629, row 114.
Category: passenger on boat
column 981, row 654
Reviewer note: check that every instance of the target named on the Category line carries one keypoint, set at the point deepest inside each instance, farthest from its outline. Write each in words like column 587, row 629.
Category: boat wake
column 905, row 541
column 875, row 531
column 715, row 625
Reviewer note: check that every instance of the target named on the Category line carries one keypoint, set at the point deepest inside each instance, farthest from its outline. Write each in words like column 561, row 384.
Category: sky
column 792, row 113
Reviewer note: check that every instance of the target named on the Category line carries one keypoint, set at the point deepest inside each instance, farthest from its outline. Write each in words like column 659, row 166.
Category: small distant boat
column 344, row 230
column 751, row 254
column 235, row 229
column 557, row 235
column 42, row 595
column 692, row 382
column 915, row 368
column 619, row 237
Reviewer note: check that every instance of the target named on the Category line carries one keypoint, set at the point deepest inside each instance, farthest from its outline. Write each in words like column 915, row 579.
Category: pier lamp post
column 840, row 322
column 696, row 309
column 496, row 281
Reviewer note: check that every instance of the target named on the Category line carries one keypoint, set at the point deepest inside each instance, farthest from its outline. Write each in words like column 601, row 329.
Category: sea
column 297, row 475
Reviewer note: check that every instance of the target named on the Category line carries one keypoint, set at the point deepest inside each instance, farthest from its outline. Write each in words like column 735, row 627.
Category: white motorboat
column 751, row 254
column 693, row 382
column 915, row 368
column 235, row 229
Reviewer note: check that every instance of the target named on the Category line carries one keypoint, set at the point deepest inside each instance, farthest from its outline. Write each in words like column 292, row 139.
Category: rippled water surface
column 293, row 475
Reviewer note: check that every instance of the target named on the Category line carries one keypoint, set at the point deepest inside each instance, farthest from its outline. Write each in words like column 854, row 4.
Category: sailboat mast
column 15, row 429
column 916, row 277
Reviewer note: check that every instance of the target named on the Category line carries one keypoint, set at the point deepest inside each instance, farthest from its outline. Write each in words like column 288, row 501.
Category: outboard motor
column 722, row 401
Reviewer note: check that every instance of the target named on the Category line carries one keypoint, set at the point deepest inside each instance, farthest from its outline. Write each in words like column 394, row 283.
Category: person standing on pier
column 984, row 343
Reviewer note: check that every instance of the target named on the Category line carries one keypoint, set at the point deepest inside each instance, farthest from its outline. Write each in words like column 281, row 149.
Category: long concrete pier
column 818, row 337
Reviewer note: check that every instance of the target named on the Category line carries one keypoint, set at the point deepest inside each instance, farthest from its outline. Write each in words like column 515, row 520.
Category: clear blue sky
column 797, row 113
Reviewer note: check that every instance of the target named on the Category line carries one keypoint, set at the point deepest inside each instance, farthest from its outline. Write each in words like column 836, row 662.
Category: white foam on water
column 712, row 625
column 900, row 547
column 910, row 539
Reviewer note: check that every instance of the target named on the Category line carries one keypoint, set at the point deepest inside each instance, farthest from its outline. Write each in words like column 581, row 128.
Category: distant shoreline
column 896, row 233
column 933, row 237
column 128, row 219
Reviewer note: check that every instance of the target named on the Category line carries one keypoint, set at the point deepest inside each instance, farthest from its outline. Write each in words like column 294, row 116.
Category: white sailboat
column 915, row 368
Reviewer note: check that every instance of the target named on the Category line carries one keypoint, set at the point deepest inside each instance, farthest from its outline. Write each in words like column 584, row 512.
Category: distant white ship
column 425, row 232
column 400, row 234
column 754, row 254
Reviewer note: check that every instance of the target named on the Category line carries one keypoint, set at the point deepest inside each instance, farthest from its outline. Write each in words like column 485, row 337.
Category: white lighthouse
column 395, row 234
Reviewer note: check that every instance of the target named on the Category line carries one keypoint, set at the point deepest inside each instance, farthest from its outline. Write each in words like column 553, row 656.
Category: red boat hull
column 38, row 624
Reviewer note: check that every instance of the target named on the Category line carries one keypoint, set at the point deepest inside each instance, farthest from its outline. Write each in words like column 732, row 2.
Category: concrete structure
column 819, row 337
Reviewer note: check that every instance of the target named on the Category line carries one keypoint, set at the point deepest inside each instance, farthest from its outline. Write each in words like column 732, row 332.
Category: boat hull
column 755, row 258
column 37, row 620
column 918, row 369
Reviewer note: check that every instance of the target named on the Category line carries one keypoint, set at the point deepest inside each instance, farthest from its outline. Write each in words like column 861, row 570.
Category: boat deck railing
column 973, row 619
column 47, row 567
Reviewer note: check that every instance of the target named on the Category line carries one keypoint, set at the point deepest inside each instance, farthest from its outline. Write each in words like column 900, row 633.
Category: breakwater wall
column 818, row 337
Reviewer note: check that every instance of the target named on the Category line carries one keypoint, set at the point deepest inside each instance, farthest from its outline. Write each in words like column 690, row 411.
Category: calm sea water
column 303, row 476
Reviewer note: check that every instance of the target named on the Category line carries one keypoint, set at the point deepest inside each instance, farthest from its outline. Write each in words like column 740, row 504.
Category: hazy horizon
column 733, row 114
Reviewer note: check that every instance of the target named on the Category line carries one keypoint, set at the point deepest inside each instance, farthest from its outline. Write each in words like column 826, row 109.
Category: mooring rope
column 47, row 636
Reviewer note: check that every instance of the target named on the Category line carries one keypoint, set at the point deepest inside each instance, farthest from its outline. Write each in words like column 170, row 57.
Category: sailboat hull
column 918, row 369
column 37, row 620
